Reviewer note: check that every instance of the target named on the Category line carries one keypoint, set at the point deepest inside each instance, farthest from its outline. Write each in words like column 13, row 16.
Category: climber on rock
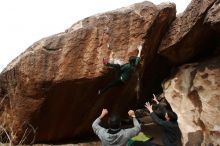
column 124, row 72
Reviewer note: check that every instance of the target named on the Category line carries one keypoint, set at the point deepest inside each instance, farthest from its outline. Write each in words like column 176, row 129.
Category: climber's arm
column 111, row 57
column 138, row 58
column 113, row 65
column 110, row 63
column 139, row 51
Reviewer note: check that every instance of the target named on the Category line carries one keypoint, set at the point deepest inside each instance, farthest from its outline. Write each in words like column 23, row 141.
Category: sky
column 24, row 22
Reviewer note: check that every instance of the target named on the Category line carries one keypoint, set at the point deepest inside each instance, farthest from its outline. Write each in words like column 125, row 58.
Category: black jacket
column 171, row 131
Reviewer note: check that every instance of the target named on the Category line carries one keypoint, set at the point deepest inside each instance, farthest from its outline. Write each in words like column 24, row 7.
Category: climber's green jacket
column 128, row 69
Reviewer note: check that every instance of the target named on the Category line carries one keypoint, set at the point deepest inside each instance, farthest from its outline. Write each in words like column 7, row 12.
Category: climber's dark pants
column 115, row 82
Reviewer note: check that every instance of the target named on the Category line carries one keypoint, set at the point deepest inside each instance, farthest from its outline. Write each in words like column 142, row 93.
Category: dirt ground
column 147, row 127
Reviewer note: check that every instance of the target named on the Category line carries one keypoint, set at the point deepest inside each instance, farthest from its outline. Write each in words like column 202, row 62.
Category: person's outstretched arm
column 110, row 62
column 95, row 125
column 155, row 118
column 131, row 132
column 139, row 50
column 138, row 58
column 112, row 65
column 155, row 99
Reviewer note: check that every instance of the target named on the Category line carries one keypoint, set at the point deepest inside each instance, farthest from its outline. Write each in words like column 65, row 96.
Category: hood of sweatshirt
column 113, row 138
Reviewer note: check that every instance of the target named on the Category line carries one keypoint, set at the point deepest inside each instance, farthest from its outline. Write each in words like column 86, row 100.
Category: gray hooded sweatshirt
column 118, row 139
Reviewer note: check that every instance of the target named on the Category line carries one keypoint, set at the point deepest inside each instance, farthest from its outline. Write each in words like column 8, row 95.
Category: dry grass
column 80, row 144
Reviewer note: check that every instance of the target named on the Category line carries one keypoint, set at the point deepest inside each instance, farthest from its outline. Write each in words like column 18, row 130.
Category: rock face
column 188, row 36
column 213, row 16
column 194, row 94
column 194, row 90
column 50, row 90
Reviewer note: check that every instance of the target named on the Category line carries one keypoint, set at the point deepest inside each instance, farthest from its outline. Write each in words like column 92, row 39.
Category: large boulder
column 194, row 93
column 188, row 36
column 49, row 92
column 193, row 90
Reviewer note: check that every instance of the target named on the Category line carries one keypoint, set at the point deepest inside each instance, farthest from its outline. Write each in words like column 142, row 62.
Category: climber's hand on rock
column 104, row 61
column 139, row 48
